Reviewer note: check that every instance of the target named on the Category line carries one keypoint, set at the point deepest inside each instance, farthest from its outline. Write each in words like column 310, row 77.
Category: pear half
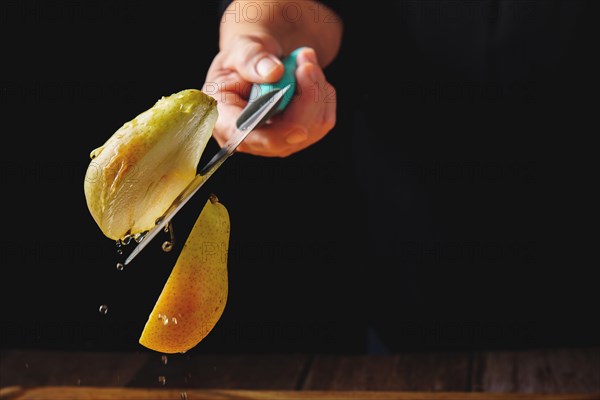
column 135, row 176
column 194, row 297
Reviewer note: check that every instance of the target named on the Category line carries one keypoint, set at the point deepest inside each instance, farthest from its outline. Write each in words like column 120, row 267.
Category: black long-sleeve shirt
column 447, row 116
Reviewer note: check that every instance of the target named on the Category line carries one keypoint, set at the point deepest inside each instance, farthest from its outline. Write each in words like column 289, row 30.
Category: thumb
column 257, row 62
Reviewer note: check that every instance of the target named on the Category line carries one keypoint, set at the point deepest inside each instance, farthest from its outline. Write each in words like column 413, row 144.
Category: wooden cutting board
column 93, row 393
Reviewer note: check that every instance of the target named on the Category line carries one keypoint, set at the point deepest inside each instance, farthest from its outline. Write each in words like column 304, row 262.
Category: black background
column 303, row 275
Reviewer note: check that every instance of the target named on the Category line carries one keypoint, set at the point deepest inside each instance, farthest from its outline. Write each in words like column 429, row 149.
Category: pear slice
column 194, row 296
column 135, row 176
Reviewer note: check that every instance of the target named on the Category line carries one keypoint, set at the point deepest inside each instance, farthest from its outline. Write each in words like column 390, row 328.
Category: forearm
column 293, row 23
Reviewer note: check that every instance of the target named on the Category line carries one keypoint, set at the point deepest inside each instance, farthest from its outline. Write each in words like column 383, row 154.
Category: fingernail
column 297, row 136
column 311, row 55
column 265, row 66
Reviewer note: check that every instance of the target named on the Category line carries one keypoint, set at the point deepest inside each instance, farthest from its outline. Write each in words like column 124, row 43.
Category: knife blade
column 245, row 124
column 265, row 100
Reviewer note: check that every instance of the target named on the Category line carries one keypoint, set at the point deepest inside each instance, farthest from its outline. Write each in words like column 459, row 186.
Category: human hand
column 255, row 59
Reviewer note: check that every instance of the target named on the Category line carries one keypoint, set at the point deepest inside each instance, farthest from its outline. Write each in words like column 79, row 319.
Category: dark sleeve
column 223, row 5
column 340, row 7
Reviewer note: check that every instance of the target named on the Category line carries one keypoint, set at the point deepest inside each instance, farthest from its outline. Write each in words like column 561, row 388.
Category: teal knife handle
column 289, row 78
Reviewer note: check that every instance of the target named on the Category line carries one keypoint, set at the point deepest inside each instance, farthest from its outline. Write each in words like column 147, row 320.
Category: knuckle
column 249, row 51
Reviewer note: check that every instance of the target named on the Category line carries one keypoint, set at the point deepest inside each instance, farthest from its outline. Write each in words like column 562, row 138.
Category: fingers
column 307, row 119
column 324, row 91
column 256, row 59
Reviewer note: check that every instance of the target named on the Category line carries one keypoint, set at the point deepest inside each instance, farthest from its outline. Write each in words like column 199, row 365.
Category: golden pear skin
column 135, row 176
column 194, row 296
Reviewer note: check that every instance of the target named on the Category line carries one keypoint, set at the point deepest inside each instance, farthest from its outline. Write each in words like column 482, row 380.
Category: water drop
column 168, row 245
column 119, row 251
column 183, row 396
column 138, row 237
column 162, row 380
column 163, row 318
column 164, row 359
column 126, row 239
column 120, row 266
column 103, row 309
column 94, row 153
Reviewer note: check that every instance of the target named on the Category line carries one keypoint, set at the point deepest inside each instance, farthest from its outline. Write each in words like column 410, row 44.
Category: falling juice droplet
column 183, row 396
column 167, row 247
column 119, row 247
column 171, row 241
column 138, row 237
column 126, row 239
column 164, row 359
column 174, row 320
column 120, row 266
column 103, row 309
column 162, row 380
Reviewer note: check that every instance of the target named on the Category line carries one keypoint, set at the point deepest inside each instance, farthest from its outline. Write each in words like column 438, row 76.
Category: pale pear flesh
column 135, row 176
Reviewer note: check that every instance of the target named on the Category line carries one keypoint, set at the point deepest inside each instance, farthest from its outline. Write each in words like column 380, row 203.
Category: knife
column 265, row 101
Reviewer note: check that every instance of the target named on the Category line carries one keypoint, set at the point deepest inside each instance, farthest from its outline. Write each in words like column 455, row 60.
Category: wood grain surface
column 562, row 371
column 267, row 372
column 90, row 393
column 55, row 368
column 547, row 371
column 407, row 372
